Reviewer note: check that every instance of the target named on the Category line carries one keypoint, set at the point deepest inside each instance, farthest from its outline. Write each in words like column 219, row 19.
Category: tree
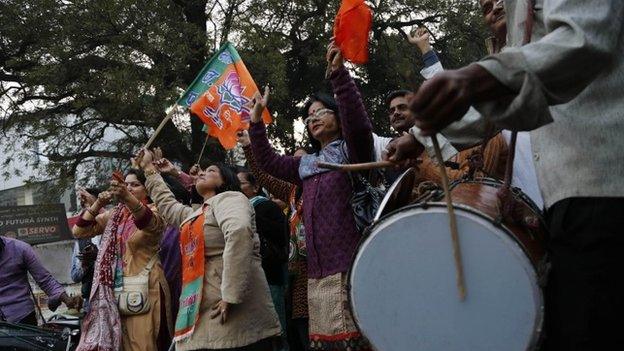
column 74, row 72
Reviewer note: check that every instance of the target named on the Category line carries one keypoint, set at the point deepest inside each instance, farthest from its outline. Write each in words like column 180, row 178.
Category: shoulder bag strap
column 150, row 264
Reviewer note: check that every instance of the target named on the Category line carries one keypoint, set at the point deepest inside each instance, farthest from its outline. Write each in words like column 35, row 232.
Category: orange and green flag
column 221, row 94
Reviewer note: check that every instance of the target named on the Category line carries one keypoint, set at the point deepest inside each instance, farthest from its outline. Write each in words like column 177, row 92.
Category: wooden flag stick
column 203, row 148
column 160, row 127
column 459, row 270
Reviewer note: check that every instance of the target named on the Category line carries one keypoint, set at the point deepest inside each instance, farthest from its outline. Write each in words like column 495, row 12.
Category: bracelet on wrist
column 137, row 208
column 91, row 212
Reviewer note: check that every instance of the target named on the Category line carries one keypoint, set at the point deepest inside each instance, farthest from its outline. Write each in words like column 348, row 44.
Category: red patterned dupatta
column 101, row 329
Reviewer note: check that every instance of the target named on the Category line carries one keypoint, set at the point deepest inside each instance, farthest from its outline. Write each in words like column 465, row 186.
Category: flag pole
column 160, row 127
column 203, row 148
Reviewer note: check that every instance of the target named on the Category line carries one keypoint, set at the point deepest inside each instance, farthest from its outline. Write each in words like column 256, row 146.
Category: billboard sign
column 35, row 224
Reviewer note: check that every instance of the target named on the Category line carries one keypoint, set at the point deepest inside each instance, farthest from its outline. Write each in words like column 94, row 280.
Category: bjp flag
column 351, row 27
column 220, row 96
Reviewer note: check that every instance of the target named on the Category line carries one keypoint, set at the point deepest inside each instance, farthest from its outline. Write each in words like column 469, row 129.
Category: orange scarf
column 192, row 252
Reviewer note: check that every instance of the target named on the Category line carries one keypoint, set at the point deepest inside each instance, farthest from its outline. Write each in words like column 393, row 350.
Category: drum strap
column 507, row 203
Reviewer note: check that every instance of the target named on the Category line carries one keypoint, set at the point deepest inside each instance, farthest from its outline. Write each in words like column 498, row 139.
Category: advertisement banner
column 35, row 224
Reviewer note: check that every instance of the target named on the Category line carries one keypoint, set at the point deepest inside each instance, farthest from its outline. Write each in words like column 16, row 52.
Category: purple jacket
column 331, row 235
column 16, row 259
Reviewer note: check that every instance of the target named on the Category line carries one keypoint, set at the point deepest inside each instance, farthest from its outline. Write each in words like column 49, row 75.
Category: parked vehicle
column 59, row 333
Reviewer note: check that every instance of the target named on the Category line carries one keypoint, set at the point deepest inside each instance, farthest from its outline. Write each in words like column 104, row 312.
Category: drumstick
column 353, row 167
column 461, row 284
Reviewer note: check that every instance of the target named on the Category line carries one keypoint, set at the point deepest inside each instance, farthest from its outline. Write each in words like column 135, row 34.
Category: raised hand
column 120, row 191
column 145, row 160
column 165, row 166
column 243, row 138
column 260, row 103
column 420, row 38
column 85, row 198
column 104, row 198
column 334, row 56
column 158, row 154
column 194, row 171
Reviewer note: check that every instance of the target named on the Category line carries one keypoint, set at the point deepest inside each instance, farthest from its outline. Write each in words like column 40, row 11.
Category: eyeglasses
column 317, row 115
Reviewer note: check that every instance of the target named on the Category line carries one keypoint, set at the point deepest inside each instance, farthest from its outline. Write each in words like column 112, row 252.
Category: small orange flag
column 351, row 28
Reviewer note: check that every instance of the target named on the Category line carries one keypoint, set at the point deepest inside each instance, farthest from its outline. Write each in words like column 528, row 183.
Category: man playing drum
column 563, row 86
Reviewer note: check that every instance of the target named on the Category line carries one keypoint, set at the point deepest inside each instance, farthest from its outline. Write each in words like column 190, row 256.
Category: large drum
column 403, row 290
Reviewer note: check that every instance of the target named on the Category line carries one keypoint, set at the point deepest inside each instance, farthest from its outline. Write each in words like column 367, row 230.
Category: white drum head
column 404, row 294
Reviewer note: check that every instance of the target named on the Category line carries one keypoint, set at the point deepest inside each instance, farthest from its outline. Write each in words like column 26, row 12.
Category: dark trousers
column 30, row 319
column 585, row 289
column 298, row 334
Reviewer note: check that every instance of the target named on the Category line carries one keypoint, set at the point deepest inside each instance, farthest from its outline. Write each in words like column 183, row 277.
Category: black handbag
column 368, row 192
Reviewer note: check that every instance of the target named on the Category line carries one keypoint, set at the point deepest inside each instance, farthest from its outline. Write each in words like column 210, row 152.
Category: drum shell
column 528, row 227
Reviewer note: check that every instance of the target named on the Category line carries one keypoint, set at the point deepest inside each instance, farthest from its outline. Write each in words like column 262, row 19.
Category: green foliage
column 75, row 73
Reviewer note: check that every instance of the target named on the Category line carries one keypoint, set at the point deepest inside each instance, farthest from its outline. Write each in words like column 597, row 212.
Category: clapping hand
column 85, row 198
column 104, row 198
column 120, row 191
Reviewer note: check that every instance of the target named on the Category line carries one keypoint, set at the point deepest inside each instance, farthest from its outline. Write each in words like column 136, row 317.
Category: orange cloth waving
column 351, row 28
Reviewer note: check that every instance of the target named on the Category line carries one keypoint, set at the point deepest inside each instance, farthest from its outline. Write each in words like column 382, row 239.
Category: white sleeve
column 379, row 145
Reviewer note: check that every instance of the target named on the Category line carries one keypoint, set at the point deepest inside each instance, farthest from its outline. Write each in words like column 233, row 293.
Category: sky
column 13, row 181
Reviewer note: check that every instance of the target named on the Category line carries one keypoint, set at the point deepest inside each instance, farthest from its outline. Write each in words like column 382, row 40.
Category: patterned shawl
column 101, row 329
column 330, row 153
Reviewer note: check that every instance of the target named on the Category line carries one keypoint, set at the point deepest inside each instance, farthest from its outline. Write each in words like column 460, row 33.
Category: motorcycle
column 59, row 333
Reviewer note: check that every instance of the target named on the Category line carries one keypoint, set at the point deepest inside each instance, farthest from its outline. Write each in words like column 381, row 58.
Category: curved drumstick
column 354, row 167
column 461, row 284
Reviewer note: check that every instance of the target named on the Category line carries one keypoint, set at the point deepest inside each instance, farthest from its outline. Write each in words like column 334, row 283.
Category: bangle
column 91, row 212
column 150, row 172
column 137, row 208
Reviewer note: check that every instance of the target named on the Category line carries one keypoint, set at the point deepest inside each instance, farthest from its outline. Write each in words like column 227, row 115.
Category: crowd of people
column 257, row 258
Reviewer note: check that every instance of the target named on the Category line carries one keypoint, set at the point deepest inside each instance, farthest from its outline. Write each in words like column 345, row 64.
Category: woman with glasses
column 340, row 132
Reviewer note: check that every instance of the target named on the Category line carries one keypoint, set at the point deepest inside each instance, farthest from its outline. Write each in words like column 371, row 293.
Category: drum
column 398, row 194
column 403, row 290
